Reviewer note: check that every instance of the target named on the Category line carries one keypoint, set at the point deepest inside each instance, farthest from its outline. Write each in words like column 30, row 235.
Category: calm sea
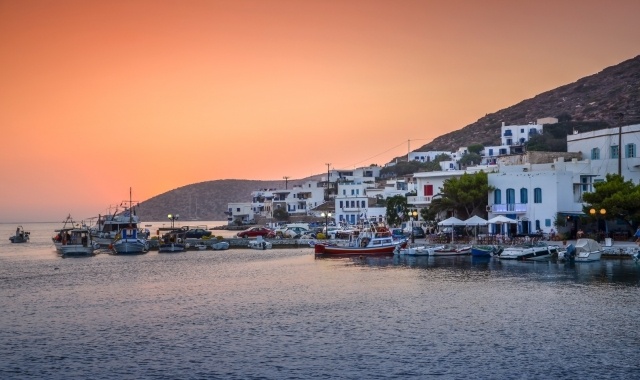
column 282, row 314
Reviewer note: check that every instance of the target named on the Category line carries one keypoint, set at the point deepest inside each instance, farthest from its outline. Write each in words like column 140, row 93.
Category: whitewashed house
column 535, row 194
column 610, row 150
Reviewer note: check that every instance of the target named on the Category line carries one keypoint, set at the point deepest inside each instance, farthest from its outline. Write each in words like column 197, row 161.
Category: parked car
column 197, row 233
column 397, row 233
column 418, row 233
column 255, row 232
column 297, row 232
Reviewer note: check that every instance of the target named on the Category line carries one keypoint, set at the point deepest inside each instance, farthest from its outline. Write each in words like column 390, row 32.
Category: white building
column 426, row 156
column 534, row 194
column 602, row 148
column 515, row 136
column 353, row 204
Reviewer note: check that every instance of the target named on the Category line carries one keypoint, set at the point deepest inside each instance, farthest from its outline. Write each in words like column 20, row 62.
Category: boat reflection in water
column 607, row 271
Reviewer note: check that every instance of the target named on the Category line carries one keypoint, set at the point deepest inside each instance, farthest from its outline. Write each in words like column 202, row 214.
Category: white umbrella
column 476, row 221
column 501, row 219
column 452, row 221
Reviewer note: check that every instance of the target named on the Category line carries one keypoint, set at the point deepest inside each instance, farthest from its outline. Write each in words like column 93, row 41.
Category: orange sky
column 100, row 96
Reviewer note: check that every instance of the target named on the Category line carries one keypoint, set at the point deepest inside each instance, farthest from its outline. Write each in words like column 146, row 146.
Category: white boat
column 107, row 227
column 200, row 246
column 584, row 250
column 128, row 242
column 74, row 240
column 451, row 251
column 260, row 243
column 528, row 251
column 21, row 236
column 220, row 245
column 171, row 247
column 416, row 251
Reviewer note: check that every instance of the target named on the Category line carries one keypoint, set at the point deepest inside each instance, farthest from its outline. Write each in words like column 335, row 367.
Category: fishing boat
column 173, row 240
column 451, row 250
column 74, row 239
column 124, row 216
column 21, row 236
column 220, row 245
column 130, row 240
column 366, row 243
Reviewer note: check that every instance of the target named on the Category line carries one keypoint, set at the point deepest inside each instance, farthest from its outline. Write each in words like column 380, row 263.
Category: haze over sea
column 283, row 314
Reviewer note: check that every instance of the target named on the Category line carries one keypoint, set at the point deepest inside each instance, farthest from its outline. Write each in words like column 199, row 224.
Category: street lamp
column 173, row 218
column 326, row 223
column 593, row 214
column 413, row 214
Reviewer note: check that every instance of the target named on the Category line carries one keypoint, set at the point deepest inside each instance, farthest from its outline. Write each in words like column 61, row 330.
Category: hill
column 611, row 96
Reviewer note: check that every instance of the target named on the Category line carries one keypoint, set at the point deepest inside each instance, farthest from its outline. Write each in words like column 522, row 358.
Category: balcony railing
column 509, row 208
column 419, row 199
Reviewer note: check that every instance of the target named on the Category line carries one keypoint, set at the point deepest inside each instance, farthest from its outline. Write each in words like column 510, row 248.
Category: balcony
column 509, row 208
column 419, row 199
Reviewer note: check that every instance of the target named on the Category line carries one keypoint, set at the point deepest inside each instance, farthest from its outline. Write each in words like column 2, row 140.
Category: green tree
column 475, row 148
column 396, row 205
column 620, row 199
column 470, row 159
column 466, row 195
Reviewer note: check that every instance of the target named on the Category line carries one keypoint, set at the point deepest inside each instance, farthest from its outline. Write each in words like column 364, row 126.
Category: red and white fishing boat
column 366, row 243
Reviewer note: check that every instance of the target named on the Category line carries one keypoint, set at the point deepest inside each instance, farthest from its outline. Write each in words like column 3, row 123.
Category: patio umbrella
column 452, row 221
column 501, row 219
column 476, row 221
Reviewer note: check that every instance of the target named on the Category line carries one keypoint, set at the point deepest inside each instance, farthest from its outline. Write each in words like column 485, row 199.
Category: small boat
column 486, row 250
column 171, row 247
column 529, row 251
column 74, row 239
column 584, row 250
column 200, row 246
column 220, row 245
column 128, row 242
column 21, row 236
column 260, row 243
column 416, row 251
column 450, row 250
column 366, row 243
column 107, row 227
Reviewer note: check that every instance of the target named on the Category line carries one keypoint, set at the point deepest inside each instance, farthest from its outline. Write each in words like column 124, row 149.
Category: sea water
column 284, row 314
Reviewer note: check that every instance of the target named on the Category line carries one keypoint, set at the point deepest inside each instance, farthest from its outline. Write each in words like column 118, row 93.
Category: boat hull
column 75, row 250
column 526, row 253
column 586, row 257
column 322, row 249
column 171, row 248
column 126, row 247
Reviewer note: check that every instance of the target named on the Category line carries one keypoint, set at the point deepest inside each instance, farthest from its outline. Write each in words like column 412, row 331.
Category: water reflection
column 608, row 271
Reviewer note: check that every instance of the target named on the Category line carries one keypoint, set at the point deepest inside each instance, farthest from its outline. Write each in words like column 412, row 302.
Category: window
column 497, row 196
column 547, row 222
column 490, row 152
column 524, row 196
column 595, row 153
column 511, row 196
column 341, row 206
column 428, row 190
column 362, row 204
column 615, row 151
column 630, row 151
column 537, row 195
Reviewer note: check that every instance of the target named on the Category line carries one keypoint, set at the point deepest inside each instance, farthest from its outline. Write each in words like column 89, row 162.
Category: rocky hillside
column 611, row 96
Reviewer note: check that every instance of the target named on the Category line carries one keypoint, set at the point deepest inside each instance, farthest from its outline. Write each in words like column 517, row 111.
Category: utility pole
column 328, row 165
column 285, row 182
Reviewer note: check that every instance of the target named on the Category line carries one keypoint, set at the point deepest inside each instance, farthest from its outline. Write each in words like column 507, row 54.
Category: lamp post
column 173, row 218
column 593, row 214
column 413, row 214
column 326, row 223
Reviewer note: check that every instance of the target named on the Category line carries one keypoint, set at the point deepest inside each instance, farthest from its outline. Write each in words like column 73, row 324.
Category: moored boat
column 367, row 243
column 74, row 239
column 260, row 243
column 585, row 250
column 415, row 251
column 21, row 236
column 529, row 251
column 451, row 250
column 485, row 250
column 128, row 242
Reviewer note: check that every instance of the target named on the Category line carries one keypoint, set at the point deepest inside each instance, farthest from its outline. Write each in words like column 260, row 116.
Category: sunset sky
column 100, row 96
